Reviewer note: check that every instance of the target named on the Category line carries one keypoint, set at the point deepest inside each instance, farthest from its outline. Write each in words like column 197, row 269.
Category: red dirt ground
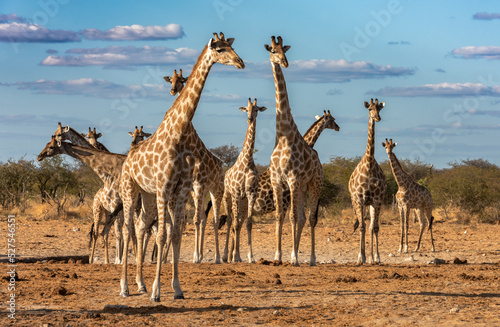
column 404, row 290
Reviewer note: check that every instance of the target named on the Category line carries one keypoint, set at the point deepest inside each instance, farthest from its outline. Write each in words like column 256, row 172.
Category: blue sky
column 436, row 65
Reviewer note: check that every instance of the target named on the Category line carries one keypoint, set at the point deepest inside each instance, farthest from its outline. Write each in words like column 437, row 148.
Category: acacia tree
column 227, row 153
column 16, row 181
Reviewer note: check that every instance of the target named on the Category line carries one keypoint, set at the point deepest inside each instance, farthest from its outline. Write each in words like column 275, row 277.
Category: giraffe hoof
column 179, row 297
column 124, row 294
column 155, row 299
column 142, row 290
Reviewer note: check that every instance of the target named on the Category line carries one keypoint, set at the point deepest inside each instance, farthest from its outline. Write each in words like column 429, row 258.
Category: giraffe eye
column 219, row 50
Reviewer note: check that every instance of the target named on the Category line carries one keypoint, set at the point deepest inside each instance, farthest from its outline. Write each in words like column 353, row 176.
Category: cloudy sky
column 436, row 65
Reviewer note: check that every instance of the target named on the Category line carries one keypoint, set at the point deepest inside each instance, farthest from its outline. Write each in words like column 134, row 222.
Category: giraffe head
column 60, row 133
column 389, row 145
column 374, row 109
column 328, row 121
column 277, row 50
column 177, row 81
column 221, row 51
column 92, row 136
column 51, row 149
column 252, row 109
column 138, row 135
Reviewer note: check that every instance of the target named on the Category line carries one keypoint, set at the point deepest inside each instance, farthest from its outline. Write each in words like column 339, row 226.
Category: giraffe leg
column 313, row 220
column 360, row 211
column 251, row 203
column 374, row 229
column 119, row 238
column 197, row 197
column 280, row 215
column 163, row 218
column 430, row 220
column 402, row 225
column 144, row 221
column 97, row 212
column 407, row 212
column 216, row 207
column 229, row 217
column 236, row 230
column 295, row 218
column 203, row 225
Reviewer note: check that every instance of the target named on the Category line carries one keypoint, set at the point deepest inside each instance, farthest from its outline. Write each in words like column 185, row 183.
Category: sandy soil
column 56, row 287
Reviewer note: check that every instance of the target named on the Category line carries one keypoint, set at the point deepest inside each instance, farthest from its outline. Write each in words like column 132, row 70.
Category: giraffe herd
column 150, row 185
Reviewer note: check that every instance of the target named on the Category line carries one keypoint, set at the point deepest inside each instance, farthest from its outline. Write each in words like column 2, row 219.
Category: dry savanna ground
column 56, row 287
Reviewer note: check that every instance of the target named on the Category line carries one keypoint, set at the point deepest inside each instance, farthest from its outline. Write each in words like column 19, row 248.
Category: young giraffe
column 367, row 186
column 163, row 165
column 240, row 181
column 264, row 202
column 292, row 162
column 108, row 167
column 177, row 81
column 410, row 195
column 102, row 206
column 208, row 177
column 92, row 137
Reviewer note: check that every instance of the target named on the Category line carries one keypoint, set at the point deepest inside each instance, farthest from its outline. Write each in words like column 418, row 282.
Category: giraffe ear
column 230, row 40
column 395, row 144
column 66, row 129
column 267, row 47
column 367, row 105
column 147, row 134
column 98, row 135
column 243, row 109
column 383, row 144
column 131, row 134
column 185, row 79
column 381, row 105
column 84, row 135
column 318, row 117
column 286, row 48
column 168, row 79
column 262, row 108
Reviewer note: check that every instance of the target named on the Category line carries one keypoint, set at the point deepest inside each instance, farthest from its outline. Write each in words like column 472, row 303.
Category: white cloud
column 135, row 32
column 98, row 88
column 22, row 32
column 484, row 52
column 486, row 16
column 440, row 90
column 322, row 71
column 122, row 57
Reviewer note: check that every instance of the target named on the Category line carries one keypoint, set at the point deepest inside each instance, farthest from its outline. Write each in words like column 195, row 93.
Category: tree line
column 470, row 187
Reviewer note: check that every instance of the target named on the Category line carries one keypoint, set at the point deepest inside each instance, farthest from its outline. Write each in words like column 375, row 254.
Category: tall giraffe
column 92, row 137
column 208, row 177
column 367, row 186
column 163, row 165
column 264, row 202
column 410, row 195
column 108, row 167
column 101, row 206
column 138, row 135
column 293, row 162
column 240, row 182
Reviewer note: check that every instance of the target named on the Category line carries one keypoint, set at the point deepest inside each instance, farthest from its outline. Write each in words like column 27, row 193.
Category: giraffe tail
column 209, row 206
column 91, row 235
column 222, row 221
column 356, row 225
column 314, row 221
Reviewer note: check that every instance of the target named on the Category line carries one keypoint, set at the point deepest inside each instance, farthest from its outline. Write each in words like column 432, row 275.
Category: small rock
column 437, row 261
column 277, row 281
column 276, row 275
column 392, row 255
column 465, row 232
column 454, row 310
column 276, row 312
column 115, row 307
column 241, row 309
column 329, row 240
column 76, row 229
column 410, row 258
column 457, row 261
column 59, row 290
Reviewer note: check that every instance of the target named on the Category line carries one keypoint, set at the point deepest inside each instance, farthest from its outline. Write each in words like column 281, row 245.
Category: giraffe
column 100, row 206
column 163, row 165
column 177, row 81
column 92, row 137
column 138, row 136
column 208, row 176
column 264, row 202
column 108, row 167
column 410, row 195
column 367, row 186
column 293, row 162
column 240, row 182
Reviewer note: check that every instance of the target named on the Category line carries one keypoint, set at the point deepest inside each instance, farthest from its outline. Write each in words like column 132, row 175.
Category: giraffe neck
column 184, row 107
column 313, row 133
column 403, row 179
column 102, row 163
column 246, row 153
column 285, row 126
column 77, row 138
column 370, row 146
